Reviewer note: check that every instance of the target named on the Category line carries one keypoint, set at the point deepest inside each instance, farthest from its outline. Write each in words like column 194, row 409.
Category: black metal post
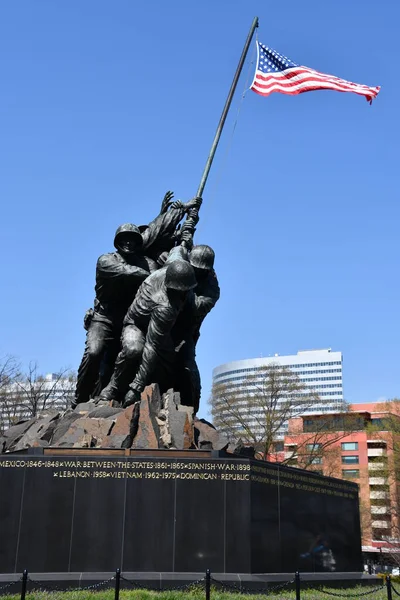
column 297, row 583
column 117, row 583
column 389, row 587
column 208, row 584
column 24, row 584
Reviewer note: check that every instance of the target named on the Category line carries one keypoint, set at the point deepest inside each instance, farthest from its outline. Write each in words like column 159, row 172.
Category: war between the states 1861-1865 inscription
column 93, row 512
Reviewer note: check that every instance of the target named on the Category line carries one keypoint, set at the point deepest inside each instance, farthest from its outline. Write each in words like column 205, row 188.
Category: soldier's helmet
column 202, row 257
column 180, row 276
column 128, row 228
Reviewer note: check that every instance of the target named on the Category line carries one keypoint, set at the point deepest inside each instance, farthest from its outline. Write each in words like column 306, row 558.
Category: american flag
column 277, row 73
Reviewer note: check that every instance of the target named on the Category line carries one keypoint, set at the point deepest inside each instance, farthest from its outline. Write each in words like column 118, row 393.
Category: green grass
column 197, row 594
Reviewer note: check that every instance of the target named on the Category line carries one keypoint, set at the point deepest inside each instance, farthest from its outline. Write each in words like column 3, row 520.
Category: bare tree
column 24, row 395
column 9, row 373
column 258, row 411
column 38, row 393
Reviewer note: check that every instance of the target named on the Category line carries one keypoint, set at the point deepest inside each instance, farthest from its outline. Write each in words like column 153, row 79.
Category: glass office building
column 319, row 370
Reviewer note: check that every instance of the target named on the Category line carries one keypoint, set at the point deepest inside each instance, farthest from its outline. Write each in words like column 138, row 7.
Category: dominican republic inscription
column 216, row 470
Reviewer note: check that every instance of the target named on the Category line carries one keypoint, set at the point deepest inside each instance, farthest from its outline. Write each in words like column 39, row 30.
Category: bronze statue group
column 152, row 295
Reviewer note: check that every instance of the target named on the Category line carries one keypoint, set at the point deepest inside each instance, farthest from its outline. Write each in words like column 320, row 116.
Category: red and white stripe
column 296, row 80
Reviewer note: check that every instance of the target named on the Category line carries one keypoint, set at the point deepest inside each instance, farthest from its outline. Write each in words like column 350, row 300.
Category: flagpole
column 225, row 111
column 193, row 214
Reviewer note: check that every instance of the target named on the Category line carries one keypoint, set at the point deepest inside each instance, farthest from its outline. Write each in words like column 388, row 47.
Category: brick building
column 362, row 445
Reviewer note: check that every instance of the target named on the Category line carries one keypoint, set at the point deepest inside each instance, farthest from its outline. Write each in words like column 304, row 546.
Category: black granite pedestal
column 71, row 511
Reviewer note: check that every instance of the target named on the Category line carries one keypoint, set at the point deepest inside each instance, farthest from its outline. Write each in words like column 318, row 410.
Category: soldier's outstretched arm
column 177, row 253
column 163, row 226
column 166, row 223
column 167, row 201
column 110, row 267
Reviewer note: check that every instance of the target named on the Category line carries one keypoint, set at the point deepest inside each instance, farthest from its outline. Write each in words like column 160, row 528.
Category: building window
column 350, row 446
column 380, row 461
column 385, row 501
column 313, row 447
column 381, row 424
column 317, row 460
column 379, row 488
column 351, row 473
column 350, row 460
column 380, row 534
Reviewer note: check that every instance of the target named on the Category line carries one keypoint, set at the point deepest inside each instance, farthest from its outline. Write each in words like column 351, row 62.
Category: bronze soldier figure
column 147, row 352
column 118, row 277
column 186, row 331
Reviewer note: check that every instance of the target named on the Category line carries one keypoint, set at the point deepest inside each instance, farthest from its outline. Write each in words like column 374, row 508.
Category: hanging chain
column 358, row 595
column 185, row 586
column 93, row 586
column 394, row 589
column 8, row 585
column 241, row 589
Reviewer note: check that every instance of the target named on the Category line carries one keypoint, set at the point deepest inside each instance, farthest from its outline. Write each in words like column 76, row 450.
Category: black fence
column 206, row 583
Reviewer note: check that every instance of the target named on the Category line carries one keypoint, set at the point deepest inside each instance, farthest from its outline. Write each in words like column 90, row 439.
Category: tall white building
column 319, row 370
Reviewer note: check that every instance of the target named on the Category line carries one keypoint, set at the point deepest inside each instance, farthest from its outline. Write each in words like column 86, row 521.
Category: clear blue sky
column 106, row 105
